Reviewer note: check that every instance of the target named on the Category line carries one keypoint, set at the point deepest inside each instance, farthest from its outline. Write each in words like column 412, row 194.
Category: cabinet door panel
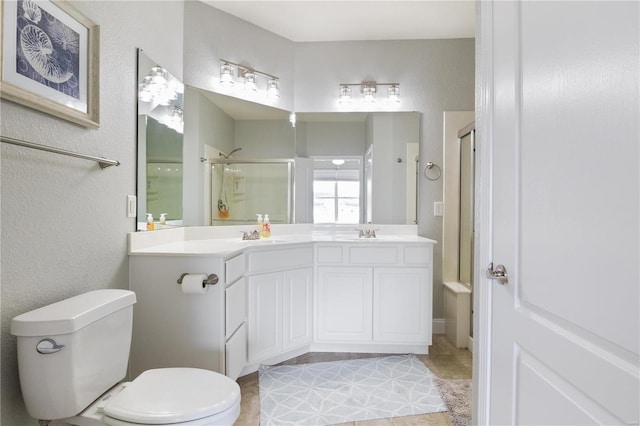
column 297, row 297
column 265, row 315
column 345, row 304
column 401, row 310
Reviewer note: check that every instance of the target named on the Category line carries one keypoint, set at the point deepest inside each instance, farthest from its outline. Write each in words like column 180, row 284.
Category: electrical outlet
column 132, row 206
column 438, row 208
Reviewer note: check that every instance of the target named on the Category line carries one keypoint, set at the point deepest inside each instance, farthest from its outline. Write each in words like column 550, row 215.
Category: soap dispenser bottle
column 163, row 218
column 150, row 224
column 266, row 227
column 259, row 223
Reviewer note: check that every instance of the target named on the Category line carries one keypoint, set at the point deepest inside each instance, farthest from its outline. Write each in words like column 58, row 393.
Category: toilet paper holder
column 212, row 279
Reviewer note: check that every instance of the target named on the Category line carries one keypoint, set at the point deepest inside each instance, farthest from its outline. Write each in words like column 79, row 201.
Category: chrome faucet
column 254, row 235
column 366, row 233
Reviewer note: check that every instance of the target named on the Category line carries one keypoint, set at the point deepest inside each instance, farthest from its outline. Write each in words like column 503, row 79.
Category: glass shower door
column 243, row 188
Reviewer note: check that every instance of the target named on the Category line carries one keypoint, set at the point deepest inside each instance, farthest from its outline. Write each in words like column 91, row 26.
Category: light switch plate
column 132, row 206
column 438, row 208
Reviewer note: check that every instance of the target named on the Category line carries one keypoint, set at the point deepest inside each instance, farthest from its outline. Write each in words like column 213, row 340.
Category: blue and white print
column 47, row 50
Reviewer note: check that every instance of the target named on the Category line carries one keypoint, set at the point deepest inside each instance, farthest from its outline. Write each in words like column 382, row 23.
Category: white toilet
column 72, row 355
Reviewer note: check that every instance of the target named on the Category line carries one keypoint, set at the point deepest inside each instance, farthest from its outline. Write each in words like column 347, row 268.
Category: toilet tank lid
column 70, row 315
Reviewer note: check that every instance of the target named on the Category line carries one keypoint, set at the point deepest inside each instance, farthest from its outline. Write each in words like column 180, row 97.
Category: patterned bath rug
column 327, row 393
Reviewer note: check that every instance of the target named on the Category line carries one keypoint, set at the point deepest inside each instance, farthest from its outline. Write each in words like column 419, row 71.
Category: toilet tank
column 72, row 351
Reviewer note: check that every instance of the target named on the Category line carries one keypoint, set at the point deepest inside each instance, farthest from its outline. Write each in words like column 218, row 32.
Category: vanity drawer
column 387, row 255
column 236, row 306
column 420, row 255
column 329, row 255
column 235, row 268
column 280, row 259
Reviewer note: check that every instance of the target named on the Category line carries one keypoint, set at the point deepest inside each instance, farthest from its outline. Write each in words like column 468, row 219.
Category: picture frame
column 49, row 60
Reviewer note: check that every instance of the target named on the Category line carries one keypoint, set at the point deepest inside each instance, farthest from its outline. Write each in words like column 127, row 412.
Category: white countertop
column 222, row 240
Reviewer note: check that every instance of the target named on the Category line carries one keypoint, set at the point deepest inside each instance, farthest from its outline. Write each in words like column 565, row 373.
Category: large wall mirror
column 238, row 158
column 160, row 143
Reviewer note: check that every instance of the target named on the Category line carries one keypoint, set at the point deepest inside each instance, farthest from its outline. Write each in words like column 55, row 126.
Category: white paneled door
column 559, row 159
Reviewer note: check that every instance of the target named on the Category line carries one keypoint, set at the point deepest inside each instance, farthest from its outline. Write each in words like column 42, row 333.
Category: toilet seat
column 174, row 395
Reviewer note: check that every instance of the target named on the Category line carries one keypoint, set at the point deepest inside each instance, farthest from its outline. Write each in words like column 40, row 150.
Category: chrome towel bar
column 104, row 162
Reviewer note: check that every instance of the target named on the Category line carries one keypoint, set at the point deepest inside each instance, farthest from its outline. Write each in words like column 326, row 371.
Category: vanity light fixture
column 159, row 87
column 250, row 77
column 369, row 89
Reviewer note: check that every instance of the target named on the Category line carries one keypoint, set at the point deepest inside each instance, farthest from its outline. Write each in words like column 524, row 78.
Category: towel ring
column 429, row 166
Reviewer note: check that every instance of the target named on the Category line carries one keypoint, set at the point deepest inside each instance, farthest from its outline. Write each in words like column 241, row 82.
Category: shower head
column 227, row 156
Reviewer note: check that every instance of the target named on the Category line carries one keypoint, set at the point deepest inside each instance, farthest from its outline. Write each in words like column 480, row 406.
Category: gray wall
column 264, row 139
column 63, row 220
column 212, row 35
column 326, row 139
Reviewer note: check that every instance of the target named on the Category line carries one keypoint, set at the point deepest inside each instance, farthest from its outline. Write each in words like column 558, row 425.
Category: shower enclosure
column 164, row 188
column 242, row 188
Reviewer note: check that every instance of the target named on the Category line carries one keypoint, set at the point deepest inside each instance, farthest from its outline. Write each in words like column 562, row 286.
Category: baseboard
column 438, row 326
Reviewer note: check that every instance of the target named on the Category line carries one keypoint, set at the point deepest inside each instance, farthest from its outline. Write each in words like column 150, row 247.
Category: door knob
column 500, row 273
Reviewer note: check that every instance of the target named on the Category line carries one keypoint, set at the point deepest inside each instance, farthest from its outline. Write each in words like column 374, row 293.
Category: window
column 336, row 192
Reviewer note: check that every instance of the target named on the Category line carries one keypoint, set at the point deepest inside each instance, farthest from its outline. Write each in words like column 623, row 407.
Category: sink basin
column 261, row 241
column 364, row 239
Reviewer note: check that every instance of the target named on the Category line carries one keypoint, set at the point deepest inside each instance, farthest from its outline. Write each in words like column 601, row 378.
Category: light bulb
column 250, row 81
column 394, row 93
column 345, row 95
column 273, row 90
column 226, row 79
column 369, row 92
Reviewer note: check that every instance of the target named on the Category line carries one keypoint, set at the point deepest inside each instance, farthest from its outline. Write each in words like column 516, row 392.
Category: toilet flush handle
column 48, row 346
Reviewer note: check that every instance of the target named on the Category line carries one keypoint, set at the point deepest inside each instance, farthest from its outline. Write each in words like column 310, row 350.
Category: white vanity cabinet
column 280, row 283
column 373, row 296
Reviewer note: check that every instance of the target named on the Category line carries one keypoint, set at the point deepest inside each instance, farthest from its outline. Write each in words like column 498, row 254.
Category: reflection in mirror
column 160, row 137
column 242, row 189
column 249, row 151
column 386, row 144
column 337, row 195
column 236, row 139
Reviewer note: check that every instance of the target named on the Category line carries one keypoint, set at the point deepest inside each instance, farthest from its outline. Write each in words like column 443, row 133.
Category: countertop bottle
column 259, row 223
column 266, row 227
column 150, row 224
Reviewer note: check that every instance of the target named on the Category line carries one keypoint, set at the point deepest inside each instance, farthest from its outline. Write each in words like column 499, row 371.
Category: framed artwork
column 49, row 60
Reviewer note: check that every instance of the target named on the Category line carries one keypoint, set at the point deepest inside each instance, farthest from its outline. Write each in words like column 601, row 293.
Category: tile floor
column 444, row 360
